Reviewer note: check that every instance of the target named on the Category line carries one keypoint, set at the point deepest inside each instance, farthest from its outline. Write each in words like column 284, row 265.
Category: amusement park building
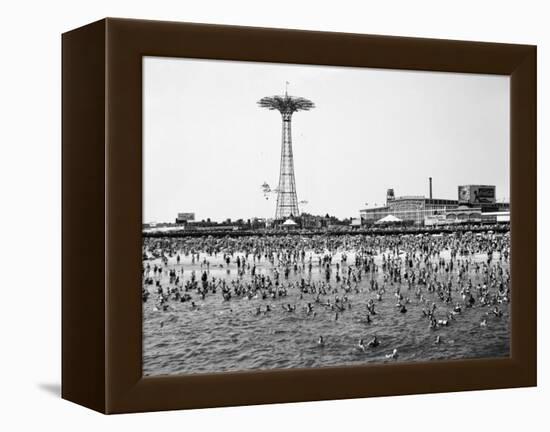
column 420, row 210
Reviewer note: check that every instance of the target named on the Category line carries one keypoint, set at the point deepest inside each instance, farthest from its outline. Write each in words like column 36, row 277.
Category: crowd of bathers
column 306, row 275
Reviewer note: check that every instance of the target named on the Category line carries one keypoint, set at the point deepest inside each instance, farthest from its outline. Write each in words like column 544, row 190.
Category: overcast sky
column 208, row 147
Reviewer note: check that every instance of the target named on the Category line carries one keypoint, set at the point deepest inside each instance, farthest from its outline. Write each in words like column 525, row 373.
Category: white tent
column 388, row 219
column 289, row 223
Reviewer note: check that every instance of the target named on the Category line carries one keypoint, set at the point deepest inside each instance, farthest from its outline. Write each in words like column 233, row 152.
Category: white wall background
column 30, row 94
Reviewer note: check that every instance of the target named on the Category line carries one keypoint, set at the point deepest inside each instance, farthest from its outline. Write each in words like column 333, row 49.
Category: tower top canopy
column 286, row 104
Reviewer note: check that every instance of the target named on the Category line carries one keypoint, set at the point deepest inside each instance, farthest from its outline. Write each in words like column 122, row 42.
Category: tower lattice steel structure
column 287, row 201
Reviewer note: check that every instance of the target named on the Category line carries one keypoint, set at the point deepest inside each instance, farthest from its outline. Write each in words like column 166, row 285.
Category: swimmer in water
column 321, row 342
column 438, row 340
column 361, row 345
column 289, row 308
column 374, row 342
column 483, row 323
column 393, row 355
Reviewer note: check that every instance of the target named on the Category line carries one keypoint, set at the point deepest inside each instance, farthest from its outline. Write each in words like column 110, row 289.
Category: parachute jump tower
column 287, row 201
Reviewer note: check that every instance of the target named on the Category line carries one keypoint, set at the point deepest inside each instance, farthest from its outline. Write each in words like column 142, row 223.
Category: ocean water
column 219, row 336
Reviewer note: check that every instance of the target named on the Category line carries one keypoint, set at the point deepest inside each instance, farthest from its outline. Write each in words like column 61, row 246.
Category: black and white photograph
column 304, row 216
column 245, row 215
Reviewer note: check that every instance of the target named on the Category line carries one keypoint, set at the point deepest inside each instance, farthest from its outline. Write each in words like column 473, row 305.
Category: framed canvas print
column 262, row 215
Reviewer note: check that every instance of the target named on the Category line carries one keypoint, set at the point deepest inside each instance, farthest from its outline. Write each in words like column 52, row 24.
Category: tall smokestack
column 430, row 188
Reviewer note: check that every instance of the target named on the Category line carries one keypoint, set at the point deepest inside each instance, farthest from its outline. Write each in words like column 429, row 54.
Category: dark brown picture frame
column 102, row 215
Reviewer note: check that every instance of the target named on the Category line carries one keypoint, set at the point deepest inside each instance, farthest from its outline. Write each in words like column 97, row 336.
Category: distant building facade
column 412, row 209
column 184, row 218
column 473, row 201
